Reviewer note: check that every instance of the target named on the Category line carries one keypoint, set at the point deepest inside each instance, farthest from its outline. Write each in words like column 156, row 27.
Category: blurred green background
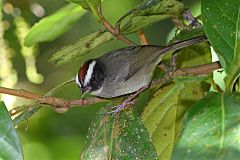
column 50, row 135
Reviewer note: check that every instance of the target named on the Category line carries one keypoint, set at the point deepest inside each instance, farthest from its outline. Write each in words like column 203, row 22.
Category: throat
column 97, row 92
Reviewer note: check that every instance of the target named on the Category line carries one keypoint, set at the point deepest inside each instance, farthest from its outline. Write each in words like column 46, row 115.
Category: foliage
column 120, row 136
column 9, row 143
column 224, row 38
column 211, row 128
column 83, row 46
column 54, row 25
column 181, row 118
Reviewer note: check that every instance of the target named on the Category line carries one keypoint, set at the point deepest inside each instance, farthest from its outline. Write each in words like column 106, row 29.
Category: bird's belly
column 133, row 84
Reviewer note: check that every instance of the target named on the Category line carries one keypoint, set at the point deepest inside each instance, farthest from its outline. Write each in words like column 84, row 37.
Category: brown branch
column 190, row 71
column 112, row 30
column 56, row 102
column 142, row 38
column 201, row 69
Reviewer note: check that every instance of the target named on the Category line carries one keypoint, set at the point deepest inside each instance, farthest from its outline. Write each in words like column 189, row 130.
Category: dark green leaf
column 91, row 5
column 211, row 129
column 163, row 115
column 150, row 12
column 188, row 34
column 80, row 48
column 221, row 21
column 54, row 25
column 118, row 136
column 10, row 147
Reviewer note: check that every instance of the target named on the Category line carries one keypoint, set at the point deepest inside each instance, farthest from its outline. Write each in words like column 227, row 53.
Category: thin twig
column 190, row 71
column 112, row 30
column 56, row 102
column 142, row 38
column 197, row 70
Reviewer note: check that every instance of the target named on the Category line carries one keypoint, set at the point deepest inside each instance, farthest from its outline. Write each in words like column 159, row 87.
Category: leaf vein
column 222, row 10
column 223, row 123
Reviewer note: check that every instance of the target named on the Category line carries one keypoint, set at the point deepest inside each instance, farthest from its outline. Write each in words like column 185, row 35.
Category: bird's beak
column 84, row 90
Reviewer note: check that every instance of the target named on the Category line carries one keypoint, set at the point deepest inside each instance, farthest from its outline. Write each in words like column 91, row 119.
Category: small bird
column 125, row 70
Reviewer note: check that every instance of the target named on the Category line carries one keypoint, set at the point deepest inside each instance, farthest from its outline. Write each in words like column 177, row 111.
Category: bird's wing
column 129, row 61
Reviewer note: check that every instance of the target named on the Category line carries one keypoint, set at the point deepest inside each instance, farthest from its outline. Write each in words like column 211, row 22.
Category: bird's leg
column 173, row 62
column 121, row 106
column 173, row 65
column 128, row 101
column 162, row 67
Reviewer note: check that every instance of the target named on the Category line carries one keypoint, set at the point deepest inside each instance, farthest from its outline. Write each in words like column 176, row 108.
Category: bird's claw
column 120, row 107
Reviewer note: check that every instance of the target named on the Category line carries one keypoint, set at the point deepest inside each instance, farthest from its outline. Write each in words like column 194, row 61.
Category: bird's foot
column 121, row 107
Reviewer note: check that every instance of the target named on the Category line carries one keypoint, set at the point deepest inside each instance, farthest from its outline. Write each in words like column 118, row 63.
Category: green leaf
column 118, row 136
column 10, row 147
column 196, row 87
column 51, row 27
column 211, row 129
column 150, row 12
column 221, row 22
column 194, row 55
column 163, row 116
column 79, row 49
column 82, row 3
column 235, row 72
column 85, row 3
column 188, row 34
column 91, row 5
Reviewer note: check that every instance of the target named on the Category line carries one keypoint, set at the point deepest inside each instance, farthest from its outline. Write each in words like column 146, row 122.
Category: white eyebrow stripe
column 89, row 73
column 77, row 81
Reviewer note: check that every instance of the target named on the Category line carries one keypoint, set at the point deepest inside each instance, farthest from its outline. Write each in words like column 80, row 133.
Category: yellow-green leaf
column 79, row 49
column 150, row 12
column 91, row 5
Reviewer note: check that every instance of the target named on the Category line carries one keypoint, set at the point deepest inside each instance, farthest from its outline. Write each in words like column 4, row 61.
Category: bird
column 125, row 70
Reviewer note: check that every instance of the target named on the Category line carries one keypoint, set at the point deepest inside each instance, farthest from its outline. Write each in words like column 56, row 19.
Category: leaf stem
column 112, row 30
column 142, row 38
